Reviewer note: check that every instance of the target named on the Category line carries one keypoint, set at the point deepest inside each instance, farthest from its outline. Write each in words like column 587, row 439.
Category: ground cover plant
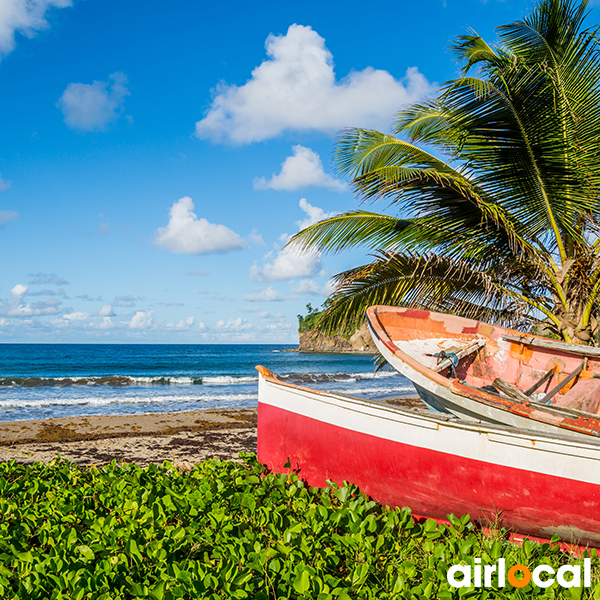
column 231, row 530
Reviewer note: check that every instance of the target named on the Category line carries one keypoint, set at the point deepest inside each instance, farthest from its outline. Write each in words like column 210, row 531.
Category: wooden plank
column 539, row 383
column 510, row 390
column 563, row 383
column 553, row 345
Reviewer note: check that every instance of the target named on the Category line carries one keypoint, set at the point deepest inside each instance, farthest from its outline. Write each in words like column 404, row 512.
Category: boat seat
column 584, row 396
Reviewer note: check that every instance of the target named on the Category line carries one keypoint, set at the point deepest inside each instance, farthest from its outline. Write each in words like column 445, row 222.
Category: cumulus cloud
column 187, row 234
column 6, row 216
column 314, row 214
column 303, row 169
column 106, row 323
column 295, row 89
column 266, row 295
column 46, row 279
column 25, row 17
column 19, row 291
column 256, row 239
column 236, row 325
column 182, row 325
column 141, row 320
column 90, row 107
column 76, row 316
column 17, row 307
column 289, row 262
column 106, row 311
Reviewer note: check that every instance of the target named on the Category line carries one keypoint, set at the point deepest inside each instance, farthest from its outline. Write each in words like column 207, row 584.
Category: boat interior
column 500, row 362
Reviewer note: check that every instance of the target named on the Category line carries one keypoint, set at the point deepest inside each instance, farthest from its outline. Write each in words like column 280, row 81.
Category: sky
column 156, row 156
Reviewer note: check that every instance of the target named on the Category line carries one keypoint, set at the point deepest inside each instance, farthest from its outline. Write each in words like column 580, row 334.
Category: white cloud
column 266, row 295
column 90, row 107
column 76, row 316
column 238, row 324
column 202, row 327
column 141, row 320
column 303, row 169
column 16, row 307
column 289, row 263
column 182, row 325
column 19, row 291
column 187, row 234
column 106, row 323
column 314, row 214
column 308, row 287
column 296, row 89
column 25, row 17
column 6, row 216
column 255, row 238
column 106, row 311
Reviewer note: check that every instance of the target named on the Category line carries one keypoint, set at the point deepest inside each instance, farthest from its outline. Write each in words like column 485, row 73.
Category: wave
column 119, row 381
column 122, row 400
column 301, row 378
column 106, row 381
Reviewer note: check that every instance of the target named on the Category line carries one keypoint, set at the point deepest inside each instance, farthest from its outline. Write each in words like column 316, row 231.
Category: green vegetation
column 230, row 530
column 310, row 321
column 500, row 221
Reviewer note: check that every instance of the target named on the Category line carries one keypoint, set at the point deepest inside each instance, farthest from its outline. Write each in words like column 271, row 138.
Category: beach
column 183, row 438
column 92, row 404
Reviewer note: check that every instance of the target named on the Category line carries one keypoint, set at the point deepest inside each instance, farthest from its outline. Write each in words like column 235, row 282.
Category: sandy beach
column 187, row 437
column 184, row 437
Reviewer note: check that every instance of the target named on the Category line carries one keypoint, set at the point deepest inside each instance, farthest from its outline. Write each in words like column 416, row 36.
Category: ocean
column 41, row 381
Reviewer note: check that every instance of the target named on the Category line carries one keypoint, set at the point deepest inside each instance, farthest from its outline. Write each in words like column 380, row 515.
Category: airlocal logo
column 473, row 576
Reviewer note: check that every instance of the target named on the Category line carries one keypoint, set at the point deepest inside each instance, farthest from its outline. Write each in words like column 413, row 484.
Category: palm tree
column 499, row 221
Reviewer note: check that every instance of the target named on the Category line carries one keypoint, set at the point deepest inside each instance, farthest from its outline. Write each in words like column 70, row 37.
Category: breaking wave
column 119, row 381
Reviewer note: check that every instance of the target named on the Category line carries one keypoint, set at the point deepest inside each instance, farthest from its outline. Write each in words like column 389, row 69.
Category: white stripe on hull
column 559, row 456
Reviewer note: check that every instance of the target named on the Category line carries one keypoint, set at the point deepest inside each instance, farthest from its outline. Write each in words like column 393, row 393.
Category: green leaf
column 302, row 582
column 86, row 552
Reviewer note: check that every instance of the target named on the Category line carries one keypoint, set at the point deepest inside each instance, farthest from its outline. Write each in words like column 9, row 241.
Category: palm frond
column 423, row 281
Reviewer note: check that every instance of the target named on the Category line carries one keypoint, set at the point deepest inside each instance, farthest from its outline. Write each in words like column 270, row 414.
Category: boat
column 475, row 370
column 536, row 484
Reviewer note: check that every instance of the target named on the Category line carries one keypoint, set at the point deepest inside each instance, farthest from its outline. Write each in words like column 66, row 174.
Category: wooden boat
column 536, row 484
column 479, row 371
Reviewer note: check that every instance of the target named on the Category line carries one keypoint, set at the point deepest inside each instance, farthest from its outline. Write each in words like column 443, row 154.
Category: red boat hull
column 430, row 482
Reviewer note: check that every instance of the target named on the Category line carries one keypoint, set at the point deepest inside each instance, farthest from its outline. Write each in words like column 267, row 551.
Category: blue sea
column 40, row 381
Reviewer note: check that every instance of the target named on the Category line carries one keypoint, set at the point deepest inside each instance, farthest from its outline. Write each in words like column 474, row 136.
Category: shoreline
column 183, row 438
column 304, row 351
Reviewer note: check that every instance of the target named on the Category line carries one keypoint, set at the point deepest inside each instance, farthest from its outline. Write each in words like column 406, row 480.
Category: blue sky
column 155, row 156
